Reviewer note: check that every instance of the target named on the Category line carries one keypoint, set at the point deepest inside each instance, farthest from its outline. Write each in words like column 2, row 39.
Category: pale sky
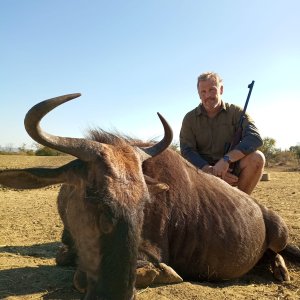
column 131, row 59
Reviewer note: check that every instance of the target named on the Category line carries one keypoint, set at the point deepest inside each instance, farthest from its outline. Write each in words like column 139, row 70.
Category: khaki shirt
column 203, row 139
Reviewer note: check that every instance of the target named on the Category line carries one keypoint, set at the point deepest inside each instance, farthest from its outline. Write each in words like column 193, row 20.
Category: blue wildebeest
column 136, row 214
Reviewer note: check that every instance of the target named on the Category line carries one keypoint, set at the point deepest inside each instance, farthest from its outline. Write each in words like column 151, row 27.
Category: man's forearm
column 235, row 155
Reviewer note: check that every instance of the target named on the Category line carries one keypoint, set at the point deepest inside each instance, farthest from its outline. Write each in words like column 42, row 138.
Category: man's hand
column 231, row 179
column 221, row 169
column 208, row 169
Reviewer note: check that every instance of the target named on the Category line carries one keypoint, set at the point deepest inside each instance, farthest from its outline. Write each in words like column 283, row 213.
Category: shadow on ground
column 46, row 250
column 48, row 280
column 51, row 281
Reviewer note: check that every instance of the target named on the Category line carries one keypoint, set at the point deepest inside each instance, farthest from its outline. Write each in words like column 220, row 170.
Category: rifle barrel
column 250, row 87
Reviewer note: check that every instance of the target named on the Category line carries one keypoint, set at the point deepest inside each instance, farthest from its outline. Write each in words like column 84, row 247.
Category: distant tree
column 296, row 151
column 24, row 150
column 46, row 151
column 269, row 149
column 9, row 148
column 284, row 158
column 175, row 146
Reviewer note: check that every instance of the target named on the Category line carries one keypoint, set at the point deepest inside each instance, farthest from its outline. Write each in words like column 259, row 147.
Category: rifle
column 238, row 134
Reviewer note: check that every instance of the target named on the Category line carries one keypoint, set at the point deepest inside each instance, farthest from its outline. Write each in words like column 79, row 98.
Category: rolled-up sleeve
column 251, row 139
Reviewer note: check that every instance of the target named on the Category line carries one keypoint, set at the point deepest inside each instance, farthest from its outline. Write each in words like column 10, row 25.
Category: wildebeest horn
column 162, row 145
column 81, row 148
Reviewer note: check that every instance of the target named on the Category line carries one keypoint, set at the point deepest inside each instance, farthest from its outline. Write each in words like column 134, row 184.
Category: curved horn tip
column 165, row 122
column 161, row 117
column 67, row 97
column 73, row 96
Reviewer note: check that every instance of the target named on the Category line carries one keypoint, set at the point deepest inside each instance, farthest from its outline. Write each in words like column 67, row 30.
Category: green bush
column 296, row 152
column 46, row 151
column 269, row 149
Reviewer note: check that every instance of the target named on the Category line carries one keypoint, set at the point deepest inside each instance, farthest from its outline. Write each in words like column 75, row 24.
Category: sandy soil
column 30, row 235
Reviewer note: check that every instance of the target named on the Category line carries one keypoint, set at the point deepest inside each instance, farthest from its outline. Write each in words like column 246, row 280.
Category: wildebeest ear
column 33, row 178
column 155, row 186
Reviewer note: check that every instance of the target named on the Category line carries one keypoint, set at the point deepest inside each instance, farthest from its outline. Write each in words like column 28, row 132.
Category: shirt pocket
column 224, row 130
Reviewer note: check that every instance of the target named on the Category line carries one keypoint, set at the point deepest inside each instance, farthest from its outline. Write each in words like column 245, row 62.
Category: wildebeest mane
column 116, row 138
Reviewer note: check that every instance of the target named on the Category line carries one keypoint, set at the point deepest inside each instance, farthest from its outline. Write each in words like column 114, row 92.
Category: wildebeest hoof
column 167, row 275
column 280, row 270
column 160, row 274
column 65, row 257
column 145, row 275
column 80, row 281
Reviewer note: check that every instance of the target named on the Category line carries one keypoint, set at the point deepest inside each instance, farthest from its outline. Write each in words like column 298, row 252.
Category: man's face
column 210, row 94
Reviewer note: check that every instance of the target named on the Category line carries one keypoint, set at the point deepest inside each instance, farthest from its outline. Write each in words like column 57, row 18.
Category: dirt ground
column 30, row 235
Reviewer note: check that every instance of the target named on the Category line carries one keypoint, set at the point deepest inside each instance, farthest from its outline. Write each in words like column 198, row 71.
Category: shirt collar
column 201, row 110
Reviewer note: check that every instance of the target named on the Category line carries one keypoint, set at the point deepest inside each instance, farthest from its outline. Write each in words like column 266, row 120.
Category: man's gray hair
column 210, row 76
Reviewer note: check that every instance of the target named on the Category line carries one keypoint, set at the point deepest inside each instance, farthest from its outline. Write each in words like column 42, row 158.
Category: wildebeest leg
column 280, row 270
column 278, row 266
column 277, row 237
column 149, row 273
column 166, row 275
column 145, row 274
column 292, row 253
column 66, row 255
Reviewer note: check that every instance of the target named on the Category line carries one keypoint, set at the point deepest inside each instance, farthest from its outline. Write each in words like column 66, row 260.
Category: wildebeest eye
column 92, row 194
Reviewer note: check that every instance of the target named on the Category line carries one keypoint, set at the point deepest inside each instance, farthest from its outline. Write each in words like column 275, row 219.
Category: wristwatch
column 227, row 159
